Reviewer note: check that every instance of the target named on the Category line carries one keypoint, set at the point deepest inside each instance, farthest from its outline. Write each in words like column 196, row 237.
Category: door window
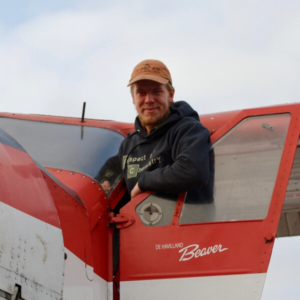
column 246, row 164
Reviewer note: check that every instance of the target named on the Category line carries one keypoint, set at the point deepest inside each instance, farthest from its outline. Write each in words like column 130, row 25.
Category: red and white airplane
column 67, row 234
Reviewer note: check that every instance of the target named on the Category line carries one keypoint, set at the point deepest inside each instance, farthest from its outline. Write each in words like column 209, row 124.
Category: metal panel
column 234, row 287
column 78, row 284
column 31, row 255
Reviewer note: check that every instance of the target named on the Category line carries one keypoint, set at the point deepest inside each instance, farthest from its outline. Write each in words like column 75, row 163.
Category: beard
column 153, row 120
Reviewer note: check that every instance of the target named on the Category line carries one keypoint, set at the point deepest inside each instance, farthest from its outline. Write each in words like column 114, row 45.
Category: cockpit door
column 182, row 247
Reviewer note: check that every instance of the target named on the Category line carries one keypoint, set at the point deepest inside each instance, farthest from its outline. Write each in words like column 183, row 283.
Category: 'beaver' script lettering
column 193, row 251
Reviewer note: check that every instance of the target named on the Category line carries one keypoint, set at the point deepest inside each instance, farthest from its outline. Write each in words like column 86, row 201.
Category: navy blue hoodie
column 174, row 157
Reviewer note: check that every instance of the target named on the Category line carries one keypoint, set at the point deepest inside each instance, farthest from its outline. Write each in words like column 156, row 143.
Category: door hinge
column 120, row 221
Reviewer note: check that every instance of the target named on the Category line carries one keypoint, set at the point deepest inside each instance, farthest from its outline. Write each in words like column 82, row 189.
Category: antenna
column 83, row 112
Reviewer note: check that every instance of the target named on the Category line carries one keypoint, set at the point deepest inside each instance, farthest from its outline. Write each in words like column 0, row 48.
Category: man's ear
column 132, row 93
column 171, row 99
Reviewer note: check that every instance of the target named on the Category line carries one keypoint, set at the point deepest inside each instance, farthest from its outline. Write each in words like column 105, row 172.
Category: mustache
column 150, row 106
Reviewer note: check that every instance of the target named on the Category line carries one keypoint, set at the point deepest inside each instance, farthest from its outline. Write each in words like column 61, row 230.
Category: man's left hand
column 135, row 191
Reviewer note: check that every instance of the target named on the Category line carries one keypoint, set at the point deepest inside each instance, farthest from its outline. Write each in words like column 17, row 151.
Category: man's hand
column 135, row 191
column 106, row 186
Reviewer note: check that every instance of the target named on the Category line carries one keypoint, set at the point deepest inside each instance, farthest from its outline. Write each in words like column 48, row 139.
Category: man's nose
column 149, row 98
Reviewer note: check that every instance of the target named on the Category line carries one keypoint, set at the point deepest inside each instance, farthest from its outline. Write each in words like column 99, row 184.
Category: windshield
column 70, row 147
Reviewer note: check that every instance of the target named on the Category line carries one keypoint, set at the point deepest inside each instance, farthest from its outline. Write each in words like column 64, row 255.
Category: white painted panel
column 78, row 292
column 78, row 283
column 230, row 287
column 31, row 255
column 110, row 291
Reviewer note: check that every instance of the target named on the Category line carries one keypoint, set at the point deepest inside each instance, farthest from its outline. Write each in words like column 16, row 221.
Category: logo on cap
column 147, row 68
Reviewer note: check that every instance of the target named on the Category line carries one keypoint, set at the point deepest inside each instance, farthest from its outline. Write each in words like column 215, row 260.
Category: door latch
column 120, row 221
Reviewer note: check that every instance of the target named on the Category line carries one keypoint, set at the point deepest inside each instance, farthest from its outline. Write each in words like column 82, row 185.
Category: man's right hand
column 135, row 191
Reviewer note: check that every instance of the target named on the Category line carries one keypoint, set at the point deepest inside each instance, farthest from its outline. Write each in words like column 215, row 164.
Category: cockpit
column 247, row 159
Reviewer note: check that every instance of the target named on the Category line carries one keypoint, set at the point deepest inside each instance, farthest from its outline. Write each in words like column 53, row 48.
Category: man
column 170, row 149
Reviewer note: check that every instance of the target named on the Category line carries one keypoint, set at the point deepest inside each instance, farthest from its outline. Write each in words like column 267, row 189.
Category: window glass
column 289, row 224
column 69, row 147
column 110, row 174
column 246, row 165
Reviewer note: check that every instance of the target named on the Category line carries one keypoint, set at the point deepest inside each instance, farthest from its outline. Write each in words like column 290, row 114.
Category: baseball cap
column 152, row 70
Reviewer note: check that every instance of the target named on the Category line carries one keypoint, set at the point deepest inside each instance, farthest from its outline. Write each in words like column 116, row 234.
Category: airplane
column 69, row 230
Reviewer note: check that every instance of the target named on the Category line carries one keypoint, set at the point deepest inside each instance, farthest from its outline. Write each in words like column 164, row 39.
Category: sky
column 223, row 55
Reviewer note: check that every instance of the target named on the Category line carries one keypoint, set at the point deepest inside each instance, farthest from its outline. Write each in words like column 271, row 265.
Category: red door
column 185, row 248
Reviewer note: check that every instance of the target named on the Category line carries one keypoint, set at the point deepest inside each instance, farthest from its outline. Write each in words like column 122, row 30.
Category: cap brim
column 149, row 77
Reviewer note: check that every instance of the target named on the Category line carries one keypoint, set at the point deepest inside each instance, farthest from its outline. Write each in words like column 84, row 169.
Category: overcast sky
column 223, row 55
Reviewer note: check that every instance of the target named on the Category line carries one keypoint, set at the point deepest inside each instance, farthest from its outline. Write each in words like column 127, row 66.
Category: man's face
column 152, row 101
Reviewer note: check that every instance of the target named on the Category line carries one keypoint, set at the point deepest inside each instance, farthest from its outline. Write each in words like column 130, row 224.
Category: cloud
column 222, row 57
